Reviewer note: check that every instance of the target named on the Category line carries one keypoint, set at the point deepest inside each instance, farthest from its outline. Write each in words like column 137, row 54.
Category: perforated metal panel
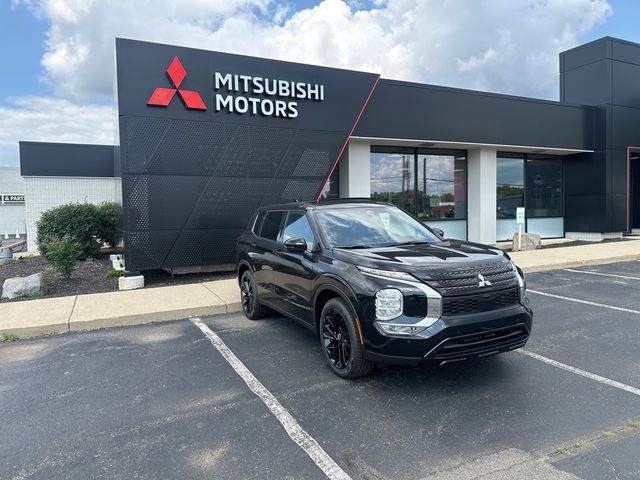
column 189, row 188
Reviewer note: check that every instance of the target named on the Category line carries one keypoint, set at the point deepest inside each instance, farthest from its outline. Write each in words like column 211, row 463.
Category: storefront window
column 544, row 187
column 430, row 184
column 332, row 188
column 510, row 186
column 442, row 187
column 393, row 178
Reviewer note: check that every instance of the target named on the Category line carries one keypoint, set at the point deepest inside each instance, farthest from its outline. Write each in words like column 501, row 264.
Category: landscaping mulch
column 89, row 277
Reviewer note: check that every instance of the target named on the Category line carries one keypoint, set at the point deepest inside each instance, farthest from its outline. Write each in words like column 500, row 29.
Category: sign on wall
column 10, row 198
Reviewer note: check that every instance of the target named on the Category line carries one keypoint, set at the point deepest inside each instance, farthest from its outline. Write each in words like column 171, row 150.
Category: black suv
column 378, row 286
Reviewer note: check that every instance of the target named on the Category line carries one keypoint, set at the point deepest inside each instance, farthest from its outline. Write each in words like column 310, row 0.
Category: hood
column 415, row 258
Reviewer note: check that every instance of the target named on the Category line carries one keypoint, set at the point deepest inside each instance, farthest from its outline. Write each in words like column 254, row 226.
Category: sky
column 57, row 55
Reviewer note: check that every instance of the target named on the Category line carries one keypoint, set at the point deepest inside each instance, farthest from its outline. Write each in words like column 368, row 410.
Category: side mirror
column 439, row 231
column 295, row 245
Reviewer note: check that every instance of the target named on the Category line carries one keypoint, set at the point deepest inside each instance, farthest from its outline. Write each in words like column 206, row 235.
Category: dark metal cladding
column 191, row 178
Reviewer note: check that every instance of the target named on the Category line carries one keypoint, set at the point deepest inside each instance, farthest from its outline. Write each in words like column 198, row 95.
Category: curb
column 120, row 321
column 580, row 263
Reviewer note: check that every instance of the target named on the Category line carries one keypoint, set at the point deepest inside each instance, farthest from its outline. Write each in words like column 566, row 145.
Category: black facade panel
column 624, row 51
column 192, row 178
column 585, row 54
column 585, row 213
column 40, row 159
column 585, row 174
column 589, row 84
column 625, row 127
column 625, row 84
column 423, row 112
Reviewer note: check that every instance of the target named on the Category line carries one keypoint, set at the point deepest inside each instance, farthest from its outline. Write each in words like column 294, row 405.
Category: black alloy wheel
column 251, row 306
column 340, row 341
column 337, row 342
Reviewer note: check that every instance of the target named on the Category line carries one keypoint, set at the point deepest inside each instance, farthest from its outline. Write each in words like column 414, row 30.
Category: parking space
column 161, row 401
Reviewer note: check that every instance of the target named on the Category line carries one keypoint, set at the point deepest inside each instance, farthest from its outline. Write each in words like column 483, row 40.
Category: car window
column 271, row 225
column 297, row 225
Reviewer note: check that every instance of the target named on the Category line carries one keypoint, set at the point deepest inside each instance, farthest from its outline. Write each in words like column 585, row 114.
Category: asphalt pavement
column 166, row 401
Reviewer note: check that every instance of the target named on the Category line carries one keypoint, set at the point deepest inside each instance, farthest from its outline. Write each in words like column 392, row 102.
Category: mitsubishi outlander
column 377, row 286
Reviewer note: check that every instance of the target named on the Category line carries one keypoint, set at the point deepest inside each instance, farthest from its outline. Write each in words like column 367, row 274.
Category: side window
column 258, row 223
column 271, row 225
column 297, row 225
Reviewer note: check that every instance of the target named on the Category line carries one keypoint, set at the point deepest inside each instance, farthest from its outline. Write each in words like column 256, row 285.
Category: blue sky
column 58, row 62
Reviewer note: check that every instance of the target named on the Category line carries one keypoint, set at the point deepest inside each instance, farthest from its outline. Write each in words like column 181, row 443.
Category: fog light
column 391, row 329
column 388, row 304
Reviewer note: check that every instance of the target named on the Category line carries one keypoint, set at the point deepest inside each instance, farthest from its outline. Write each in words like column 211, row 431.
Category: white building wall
column 44, row 193
column 12, row 215
column 355, row 170
column 482, row 200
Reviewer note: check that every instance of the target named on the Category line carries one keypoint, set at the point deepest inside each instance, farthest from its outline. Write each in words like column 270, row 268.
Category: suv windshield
column 363, row 227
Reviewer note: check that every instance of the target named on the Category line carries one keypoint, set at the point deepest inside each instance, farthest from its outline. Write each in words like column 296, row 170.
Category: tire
column 340, row 341
column 251, row 306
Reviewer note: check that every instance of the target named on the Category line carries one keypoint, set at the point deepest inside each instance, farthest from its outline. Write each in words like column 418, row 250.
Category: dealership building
column 204, row 138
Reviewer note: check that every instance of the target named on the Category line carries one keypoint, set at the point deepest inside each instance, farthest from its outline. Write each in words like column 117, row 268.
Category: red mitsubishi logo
column 162, row 97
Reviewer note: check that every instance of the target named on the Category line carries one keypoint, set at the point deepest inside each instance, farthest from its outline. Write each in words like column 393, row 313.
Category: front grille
column 453, row 282
column 477, row 345
column 480, row 302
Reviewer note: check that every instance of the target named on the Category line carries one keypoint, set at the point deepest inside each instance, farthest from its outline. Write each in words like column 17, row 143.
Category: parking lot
column 255, row 400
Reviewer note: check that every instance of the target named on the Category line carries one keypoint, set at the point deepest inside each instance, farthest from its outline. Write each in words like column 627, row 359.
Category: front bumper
column 453, row 339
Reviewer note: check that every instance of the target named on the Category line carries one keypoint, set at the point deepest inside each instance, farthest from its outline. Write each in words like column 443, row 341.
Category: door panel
column 294, row 272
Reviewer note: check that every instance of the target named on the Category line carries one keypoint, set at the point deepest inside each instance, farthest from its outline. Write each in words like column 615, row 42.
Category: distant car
column 378, row 286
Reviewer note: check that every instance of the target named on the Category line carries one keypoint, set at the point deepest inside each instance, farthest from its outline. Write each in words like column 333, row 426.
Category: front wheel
column 340, row 341
column 251, row 306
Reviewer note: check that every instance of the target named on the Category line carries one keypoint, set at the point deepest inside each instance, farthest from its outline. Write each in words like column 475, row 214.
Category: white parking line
column 602, row 274
column 583, row 373
column 586, row 302
column 330, row 468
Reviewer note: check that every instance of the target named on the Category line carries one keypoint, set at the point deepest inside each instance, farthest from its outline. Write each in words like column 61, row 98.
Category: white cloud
column 507, row 46
column 51, row 120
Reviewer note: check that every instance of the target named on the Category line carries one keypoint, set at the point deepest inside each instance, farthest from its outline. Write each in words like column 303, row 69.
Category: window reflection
column 432, row 186
column 510, row 186
column 544, row 187
column 392, row 179
column 441, row 187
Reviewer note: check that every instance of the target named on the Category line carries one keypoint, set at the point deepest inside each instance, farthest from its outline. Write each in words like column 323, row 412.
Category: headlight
column 387, row 273
column 521, row 282
column 389, row 302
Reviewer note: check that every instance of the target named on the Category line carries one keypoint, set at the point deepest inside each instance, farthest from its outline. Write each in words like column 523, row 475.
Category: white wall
column 482, row 200
column 12, row 215
column 355, row 170
column 44, row 193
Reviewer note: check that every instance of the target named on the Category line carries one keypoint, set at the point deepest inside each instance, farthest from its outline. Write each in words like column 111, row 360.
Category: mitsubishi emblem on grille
column 482, row 282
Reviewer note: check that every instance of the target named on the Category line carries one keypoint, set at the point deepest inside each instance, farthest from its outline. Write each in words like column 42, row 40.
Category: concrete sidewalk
column 99, row 310
column 47, row 316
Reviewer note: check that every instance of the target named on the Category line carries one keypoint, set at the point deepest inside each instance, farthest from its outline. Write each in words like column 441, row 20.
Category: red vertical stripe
column 355, row 124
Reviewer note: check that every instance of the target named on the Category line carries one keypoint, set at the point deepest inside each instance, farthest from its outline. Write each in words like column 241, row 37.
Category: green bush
column 88, row 224
column 62, row 252
column 79, row 221
column 110, row 220
column 113, row 273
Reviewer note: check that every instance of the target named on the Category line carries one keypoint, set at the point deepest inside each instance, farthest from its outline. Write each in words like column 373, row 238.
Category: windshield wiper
column 353, row 247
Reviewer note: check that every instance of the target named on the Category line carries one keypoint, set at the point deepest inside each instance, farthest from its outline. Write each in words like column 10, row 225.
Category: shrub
column 113, row 273
column 62, row 252
column 80, row 221
column 109, row 223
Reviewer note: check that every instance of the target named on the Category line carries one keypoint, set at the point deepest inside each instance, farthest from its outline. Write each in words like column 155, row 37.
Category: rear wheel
column 340, row 341
column 249, row 297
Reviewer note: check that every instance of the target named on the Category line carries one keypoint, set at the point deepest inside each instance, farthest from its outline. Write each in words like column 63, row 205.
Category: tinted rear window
column 271, row 225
